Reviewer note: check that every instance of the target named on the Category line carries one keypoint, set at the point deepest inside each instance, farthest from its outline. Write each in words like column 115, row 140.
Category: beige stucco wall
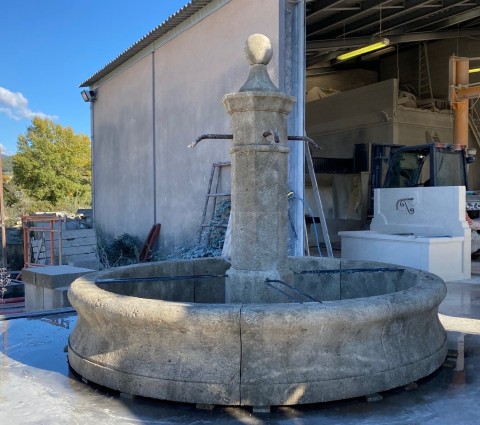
column 193, row 72
column 122, row 152
column 143, row 171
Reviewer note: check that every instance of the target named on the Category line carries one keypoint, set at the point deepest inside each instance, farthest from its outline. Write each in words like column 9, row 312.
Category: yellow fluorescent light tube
column 370, row 48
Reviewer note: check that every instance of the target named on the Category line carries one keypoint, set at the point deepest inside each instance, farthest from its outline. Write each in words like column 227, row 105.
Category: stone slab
column 46, row 287
column 53, row 276
column 443, row 256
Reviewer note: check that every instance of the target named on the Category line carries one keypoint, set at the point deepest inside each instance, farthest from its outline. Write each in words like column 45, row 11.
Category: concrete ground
column 37, row 387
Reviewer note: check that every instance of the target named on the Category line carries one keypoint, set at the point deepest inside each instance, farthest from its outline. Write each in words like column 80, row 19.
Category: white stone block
column 419, row 227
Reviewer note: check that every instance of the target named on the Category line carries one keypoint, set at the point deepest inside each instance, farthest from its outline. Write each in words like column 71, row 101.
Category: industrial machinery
column 431, row 164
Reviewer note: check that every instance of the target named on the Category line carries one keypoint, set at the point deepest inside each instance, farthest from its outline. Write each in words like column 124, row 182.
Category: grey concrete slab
column 46, row 287
column 53, row 276
column 37, row 387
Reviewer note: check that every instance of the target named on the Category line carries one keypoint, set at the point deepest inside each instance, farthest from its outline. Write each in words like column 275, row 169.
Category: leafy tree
column 7, row 164
column 53, row 163
column 10, row 193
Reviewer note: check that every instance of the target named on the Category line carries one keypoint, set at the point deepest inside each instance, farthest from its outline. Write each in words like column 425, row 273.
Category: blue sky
column 47, row 48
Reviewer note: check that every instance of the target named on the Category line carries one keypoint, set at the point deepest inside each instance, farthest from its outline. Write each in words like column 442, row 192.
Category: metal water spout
column 259, row 114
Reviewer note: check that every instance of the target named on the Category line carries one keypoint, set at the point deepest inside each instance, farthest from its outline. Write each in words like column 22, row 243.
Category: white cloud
column 15, row 106
column 4, row 150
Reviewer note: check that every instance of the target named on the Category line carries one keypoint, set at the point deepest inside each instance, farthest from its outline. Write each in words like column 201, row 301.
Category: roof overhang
column 336, row 26
column 169, row 24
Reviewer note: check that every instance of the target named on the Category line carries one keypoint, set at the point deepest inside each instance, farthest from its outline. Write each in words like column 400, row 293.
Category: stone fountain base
column 376, row 328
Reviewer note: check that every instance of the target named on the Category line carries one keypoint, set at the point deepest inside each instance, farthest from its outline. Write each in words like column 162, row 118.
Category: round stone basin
column 376, row 328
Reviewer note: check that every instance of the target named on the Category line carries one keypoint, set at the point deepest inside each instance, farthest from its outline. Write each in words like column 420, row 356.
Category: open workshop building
column 265, row 337
column 165, row 90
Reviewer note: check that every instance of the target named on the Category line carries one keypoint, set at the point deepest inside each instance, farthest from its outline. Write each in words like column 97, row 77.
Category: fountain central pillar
column 259, row 114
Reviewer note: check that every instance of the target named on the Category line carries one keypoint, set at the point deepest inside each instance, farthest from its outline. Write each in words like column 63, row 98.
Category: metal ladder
column 424, row 81
column 211, row 201
column 318, row 203
column 473, row 118
column 213, row 194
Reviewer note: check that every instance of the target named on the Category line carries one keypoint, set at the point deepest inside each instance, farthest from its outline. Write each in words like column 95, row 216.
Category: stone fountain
column 265, row 329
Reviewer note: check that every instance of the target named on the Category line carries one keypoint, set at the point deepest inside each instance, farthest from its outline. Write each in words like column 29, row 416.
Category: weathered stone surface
column 259, row 194
column 210, row 290
column 258, row 49
column 321, row 286
column 156, row 348
column 246, row 286
column 259, row 52
column 320, row 352
column 259, row 350
column 257, row 354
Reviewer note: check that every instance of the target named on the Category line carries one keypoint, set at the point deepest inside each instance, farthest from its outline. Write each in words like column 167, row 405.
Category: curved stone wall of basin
column 376, row 328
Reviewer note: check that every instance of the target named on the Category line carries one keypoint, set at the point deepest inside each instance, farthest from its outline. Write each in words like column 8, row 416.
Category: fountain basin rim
column 264, row 354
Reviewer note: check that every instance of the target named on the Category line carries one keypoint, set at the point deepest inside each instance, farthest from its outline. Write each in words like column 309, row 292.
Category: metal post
column 318, row 202
column 2, row 217
column 60, row 242
column 292, row 82
column 52, row 251
column 26, row 244
column 460, row 132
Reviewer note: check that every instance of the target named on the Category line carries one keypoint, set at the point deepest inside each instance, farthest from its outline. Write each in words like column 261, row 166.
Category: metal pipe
column 210, row 136
column 157, row 278
column 372, row 270
column 304, row 139
column 265, row 134
column 267, row 281
column 282, row 292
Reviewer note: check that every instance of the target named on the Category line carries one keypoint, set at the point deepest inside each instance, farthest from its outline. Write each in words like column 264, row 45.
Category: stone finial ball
column 258, row 49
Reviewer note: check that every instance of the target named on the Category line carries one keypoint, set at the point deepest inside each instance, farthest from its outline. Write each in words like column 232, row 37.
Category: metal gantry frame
column 459, row 93
column 29, row 225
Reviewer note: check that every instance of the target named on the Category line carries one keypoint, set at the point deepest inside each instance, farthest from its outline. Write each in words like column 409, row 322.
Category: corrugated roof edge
column 173, row 21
